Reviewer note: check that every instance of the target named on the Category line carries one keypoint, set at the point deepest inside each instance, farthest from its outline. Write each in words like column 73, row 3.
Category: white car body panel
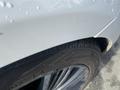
column 24, row 35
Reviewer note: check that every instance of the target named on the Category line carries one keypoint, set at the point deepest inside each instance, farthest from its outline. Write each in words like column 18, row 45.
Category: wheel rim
column 71, row 78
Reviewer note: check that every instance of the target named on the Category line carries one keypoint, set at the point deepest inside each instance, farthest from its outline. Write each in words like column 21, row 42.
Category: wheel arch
column 103, row 43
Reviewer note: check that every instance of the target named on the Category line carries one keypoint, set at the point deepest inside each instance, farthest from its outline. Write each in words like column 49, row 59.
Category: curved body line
column 111, row 22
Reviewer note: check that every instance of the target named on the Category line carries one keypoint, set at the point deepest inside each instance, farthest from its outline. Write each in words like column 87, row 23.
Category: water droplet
column 2, row 4
column 9, row 19
column 77, row 1
column 9, row 5
column 38, row 7
column 112, row 10
column 6, row 17
column 27, row 13
column 94, row 0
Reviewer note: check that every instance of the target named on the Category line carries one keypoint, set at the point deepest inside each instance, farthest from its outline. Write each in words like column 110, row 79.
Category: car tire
column 82, row 52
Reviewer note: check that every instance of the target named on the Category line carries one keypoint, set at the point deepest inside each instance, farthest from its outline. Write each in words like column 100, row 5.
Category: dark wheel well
column 101, row 42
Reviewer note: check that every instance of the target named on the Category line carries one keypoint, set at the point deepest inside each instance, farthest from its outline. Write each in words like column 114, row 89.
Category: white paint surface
column 28, row 30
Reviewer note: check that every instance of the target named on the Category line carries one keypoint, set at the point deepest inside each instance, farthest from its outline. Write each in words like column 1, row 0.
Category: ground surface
column 109, row 76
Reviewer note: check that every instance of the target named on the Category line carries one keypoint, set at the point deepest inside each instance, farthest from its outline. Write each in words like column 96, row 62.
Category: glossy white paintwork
column 29, row 26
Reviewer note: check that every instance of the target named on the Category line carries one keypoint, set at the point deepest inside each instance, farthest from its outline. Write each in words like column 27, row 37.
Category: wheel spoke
column 46, row 82
column 55, row 77
column 60, row 77
column 70, row 80
column 65, row 77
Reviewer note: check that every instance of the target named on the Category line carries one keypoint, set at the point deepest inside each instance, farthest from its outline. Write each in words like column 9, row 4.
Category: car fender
column 29, row 35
